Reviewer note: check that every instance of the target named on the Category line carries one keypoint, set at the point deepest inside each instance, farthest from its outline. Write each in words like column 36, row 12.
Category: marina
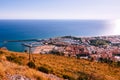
column 83, row 47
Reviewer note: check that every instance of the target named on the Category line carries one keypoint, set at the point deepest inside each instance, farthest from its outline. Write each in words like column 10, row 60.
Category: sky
column 60, row 9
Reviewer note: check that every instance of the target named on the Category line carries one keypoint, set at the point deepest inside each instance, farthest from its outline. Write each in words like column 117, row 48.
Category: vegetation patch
column 118, row 64
column 67, row 68
column 99, row 42
column 1, row 52
column 110, row 62
column 45, row 69
column 68, row 77
column 83, row 76
column 56, row 52
column 31, row 64
column 14, row 59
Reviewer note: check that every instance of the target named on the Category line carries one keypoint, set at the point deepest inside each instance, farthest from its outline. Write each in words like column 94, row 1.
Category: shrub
column 118, row 64
column 98, row 42
column 83, row 76
column 31, row 64
column 68, row 77
column 56, row 52
column 45, row 69
column 22, row 57
column 14, row 59
column 105, row 60
column 92, row 76
column 1, row 52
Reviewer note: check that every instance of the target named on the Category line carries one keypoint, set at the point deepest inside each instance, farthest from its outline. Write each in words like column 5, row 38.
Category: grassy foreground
column 63, row 67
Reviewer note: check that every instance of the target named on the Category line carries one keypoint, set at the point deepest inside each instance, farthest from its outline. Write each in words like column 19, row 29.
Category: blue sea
column 42, row 29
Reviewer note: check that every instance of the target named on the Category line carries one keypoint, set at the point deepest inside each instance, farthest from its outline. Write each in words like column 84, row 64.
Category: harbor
column 80, row 47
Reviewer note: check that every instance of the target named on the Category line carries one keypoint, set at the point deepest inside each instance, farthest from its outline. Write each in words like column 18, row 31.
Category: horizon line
column 56, row 19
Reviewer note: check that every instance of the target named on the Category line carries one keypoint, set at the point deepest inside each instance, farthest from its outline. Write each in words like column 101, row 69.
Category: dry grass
column 8, row 69
column 64, row 67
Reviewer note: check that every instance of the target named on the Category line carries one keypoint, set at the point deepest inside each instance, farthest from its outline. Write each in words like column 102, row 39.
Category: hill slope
column 15, row 63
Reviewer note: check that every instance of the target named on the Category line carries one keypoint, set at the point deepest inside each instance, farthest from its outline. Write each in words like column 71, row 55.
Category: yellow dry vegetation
column 8, row 69
column 64, row 67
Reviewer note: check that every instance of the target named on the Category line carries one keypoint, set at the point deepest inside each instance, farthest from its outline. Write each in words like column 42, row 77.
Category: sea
column 43, row 29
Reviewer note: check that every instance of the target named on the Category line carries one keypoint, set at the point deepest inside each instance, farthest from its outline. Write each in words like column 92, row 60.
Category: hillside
column 14, row 63
column 13, row 70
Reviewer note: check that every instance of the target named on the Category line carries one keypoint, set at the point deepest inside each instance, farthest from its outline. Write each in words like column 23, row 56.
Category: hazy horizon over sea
column 41, row 29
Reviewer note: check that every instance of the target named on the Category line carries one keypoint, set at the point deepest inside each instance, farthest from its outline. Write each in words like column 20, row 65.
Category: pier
column 20, row 40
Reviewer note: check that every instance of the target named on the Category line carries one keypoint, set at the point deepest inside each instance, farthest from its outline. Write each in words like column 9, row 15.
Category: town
column 94, row 48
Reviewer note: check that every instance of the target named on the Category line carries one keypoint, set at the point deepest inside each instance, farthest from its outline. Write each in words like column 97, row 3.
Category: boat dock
column 21, row 40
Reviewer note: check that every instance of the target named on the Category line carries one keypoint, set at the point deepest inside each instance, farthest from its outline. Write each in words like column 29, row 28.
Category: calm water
column 31, row 29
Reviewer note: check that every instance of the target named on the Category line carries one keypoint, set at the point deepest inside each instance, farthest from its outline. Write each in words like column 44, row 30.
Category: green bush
column 98, row 42
column 68, row 77
column 45, row 69
column 1, row 52
column 14, row 59
column 22, row 57
column 83, row 76
column 118, row 64
column 56, row 52
column 31, row 64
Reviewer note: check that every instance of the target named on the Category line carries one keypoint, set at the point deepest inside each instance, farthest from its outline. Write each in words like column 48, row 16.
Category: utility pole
column 29, row 49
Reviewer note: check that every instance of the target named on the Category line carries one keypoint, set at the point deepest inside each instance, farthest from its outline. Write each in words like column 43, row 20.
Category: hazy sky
column 59, row 9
